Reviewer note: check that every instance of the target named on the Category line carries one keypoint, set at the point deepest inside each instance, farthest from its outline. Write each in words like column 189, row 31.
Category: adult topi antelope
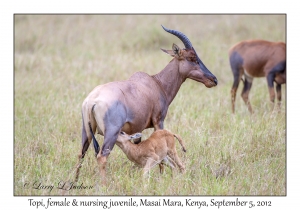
column 258, row 58
column 140, row 102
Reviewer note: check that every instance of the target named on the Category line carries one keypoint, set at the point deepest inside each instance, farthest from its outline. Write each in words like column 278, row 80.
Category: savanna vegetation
column 59, row 59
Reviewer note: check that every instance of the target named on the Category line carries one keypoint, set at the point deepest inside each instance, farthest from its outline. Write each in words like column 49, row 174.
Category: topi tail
column 96, row 145
column 180, row 141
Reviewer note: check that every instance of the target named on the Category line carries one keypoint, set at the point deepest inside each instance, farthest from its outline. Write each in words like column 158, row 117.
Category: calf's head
column 123, row 137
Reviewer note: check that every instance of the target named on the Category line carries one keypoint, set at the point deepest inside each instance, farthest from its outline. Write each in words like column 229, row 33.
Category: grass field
column 59, row 59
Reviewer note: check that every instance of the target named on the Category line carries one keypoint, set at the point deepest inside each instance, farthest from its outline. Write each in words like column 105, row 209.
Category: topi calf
column 159, row 148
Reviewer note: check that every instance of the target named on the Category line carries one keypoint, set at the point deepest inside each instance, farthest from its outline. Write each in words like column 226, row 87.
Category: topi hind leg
column 245, row 92
column 278, row 92
column 236, row 62
column 169, row 163
column 110, row 139
column 85, row 145
column 102, row 167
column 233, row 91
column 270, row 81
column 161, row 168
column 110, row 123
column 273, row 70
column 173, row 155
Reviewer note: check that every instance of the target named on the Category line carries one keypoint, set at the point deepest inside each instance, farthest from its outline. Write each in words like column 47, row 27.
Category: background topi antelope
column 258, row 58
column 159, row 148
column 140, row 102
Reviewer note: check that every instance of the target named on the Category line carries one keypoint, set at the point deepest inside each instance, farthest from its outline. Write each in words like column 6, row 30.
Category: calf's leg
column 161, row 168
column 173, row 155
column 152, row 160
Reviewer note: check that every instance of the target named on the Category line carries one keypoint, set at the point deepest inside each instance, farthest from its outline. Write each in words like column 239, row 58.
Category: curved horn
column 181, row 36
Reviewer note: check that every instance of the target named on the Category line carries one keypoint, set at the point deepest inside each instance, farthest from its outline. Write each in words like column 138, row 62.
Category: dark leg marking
column 114, row 120
column 245, row 93
column 110, row 139
column 278, row 92
column 280, row 67
column 236, row 63
column 270, row 81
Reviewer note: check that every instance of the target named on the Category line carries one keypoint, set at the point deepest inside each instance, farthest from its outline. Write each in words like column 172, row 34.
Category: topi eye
column 192, row 59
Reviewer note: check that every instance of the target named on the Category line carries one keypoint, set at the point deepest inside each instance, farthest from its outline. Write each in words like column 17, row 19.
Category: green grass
column 60, row 59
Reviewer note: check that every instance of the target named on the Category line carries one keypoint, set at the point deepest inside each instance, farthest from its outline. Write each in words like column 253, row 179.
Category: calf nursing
column 159, row 148
column 258, row 58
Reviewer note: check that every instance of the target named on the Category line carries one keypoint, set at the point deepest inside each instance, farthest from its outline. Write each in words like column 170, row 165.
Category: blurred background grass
column 59, row 59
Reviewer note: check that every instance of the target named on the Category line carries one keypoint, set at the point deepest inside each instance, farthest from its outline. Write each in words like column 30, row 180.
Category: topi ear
column 170, row 52
column 176, row 49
